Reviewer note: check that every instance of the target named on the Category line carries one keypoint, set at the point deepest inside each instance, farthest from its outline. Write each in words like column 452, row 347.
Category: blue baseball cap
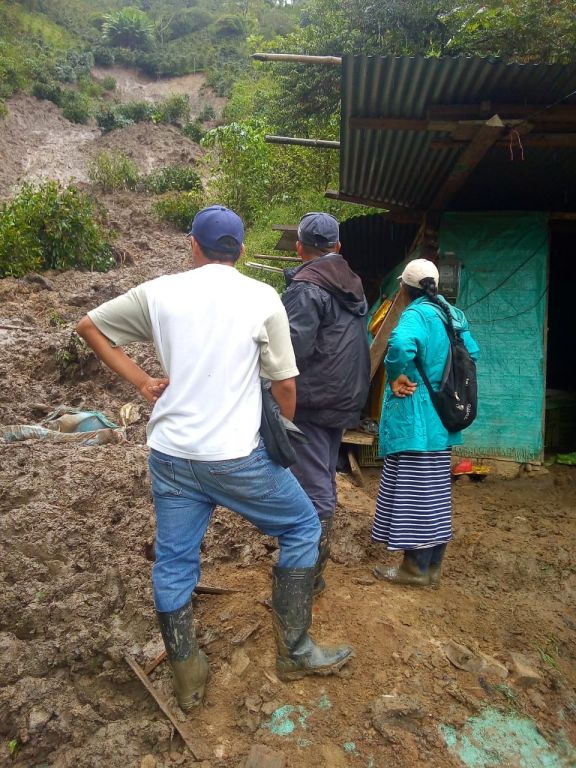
column 218, row 229
column 319, row 230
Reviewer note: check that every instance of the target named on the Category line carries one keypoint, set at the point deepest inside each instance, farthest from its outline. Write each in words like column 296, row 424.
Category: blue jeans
column 185, row 494
column 315, row 467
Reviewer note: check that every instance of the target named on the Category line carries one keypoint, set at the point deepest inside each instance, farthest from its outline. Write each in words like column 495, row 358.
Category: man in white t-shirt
column 216, row 332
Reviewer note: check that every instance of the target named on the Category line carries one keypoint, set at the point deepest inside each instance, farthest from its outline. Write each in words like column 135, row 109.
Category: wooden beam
column 297, row 58
column 395, row 212
column 528, row 139
column 293, row 140
column 286, row 227
column 380, row 341
column 486, row 137
column 197, row 746
column 277, row 258
column 537, row 112
column 401, row 124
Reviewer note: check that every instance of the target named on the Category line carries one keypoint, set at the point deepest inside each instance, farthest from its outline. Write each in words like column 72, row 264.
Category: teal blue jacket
column 411, row 423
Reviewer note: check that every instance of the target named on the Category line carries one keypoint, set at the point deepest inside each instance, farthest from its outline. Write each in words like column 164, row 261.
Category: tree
column 128, row 28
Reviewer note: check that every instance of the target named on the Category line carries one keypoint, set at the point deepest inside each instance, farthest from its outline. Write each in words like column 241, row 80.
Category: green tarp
column 503, row 293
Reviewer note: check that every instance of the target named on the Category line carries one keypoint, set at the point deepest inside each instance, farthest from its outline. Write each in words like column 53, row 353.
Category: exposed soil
column 76, row 597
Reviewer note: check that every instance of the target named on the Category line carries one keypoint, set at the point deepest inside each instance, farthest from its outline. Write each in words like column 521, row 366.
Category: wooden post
column 380, row 341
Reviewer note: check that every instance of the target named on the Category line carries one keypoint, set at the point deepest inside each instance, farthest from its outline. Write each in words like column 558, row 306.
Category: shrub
column 46, row 227
column 109, row 119
column 91, row 88
column 179, row 208
column 103, row 56
column 172, row 178
column 207, row 113
column 136, row 111
column 194, row 131
column 3, row 110
column 108, row 83
column 73, row 66
column 49, row 91
column 113, row 170
column 176, row 108
column 76, row 107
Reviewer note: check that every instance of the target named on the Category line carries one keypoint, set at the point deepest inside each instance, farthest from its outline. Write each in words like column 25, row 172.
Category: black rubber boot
column 435, row 569
column 323, row 555
column 189, row 664
column 298, row 655
column 414, row 570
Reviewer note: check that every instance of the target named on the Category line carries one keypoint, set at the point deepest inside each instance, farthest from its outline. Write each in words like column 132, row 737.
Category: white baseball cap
column 417, row 270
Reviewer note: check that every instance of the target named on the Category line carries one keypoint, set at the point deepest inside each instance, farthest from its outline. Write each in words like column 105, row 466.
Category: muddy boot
column 323, row 555
column 298, row 655
column 189, row 664
column 413, row 571
column 438, row 553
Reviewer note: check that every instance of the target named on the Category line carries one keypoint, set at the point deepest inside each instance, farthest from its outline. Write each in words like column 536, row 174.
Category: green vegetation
column 46, row 227
column 175, row 109
column 172, row 178
column 113, row 170
column 179, row 208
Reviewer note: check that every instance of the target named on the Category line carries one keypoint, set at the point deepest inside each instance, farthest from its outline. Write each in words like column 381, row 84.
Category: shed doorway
column 560, row 424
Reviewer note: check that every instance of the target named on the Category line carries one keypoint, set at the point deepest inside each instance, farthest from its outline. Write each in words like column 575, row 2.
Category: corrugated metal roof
column 401, row 168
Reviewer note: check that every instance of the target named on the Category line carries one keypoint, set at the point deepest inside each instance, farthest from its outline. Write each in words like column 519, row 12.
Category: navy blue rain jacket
column 326, row 307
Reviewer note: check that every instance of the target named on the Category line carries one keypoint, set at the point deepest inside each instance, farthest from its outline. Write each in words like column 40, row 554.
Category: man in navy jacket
column 326, row 308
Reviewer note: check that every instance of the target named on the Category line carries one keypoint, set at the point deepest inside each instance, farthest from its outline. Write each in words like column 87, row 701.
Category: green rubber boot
column 189, row 664
column 435, row 569
column 297, row 654
column 323, row 555
column 414, row 570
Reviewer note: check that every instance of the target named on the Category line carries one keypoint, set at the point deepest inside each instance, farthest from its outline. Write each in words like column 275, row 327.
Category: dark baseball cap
column 319, row 230
column 218, row 229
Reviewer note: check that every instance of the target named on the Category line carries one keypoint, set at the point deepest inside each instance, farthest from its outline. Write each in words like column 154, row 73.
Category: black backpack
column 456, row 401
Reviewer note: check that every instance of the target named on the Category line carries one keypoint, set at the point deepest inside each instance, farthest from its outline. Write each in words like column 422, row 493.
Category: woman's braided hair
column 429, row 290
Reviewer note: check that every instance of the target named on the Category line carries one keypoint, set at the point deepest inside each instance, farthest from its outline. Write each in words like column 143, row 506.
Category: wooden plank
column 198, row 747
column 393, row 211
column 278, row 258
column 355, row 468
column 299, row 142
column 380, row 341
column 536, row 112
column 354, row 437
column 401, row 124
column 484, row 140
column 151, row 666
column 528, row 139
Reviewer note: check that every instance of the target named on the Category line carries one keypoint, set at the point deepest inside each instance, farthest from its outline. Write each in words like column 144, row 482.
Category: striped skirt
column 414, row 504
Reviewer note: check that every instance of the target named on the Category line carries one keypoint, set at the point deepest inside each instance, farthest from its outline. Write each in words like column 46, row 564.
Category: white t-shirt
column 216, row 332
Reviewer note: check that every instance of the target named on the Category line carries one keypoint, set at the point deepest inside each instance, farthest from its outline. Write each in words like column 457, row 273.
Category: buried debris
column 479, row 663
column 264, row 757
column 391, row 713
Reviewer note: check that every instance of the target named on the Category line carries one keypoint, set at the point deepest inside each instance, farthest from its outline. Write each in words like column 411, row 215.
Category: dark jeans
column 315, row 468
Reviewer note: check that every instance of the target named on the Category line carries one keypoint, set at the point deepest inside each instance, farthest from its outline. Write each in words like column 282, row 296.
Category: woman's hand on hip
column 402, row 386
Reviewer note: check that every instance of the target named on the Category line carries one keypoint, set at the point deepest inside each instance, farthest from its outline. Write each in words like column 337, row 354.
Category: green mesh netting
column 503, row 293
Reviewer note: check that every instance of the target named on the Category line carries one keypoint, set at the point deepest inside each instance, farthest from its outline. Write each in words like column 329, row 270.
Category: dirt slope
column 76, row 594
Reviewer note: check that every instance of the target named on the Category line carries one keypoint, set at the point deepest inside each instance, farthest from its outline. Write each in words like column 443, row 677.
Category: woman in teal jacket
column 414, row 505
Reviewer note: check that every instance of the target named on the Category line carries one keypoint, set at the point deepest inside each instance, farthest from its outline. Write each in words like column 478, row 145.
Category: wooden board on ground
column 355, row 437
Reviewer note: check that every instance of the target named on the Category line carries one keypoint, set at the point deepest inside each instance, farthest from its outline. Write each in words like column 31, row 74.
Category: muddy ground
column 75, row 523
